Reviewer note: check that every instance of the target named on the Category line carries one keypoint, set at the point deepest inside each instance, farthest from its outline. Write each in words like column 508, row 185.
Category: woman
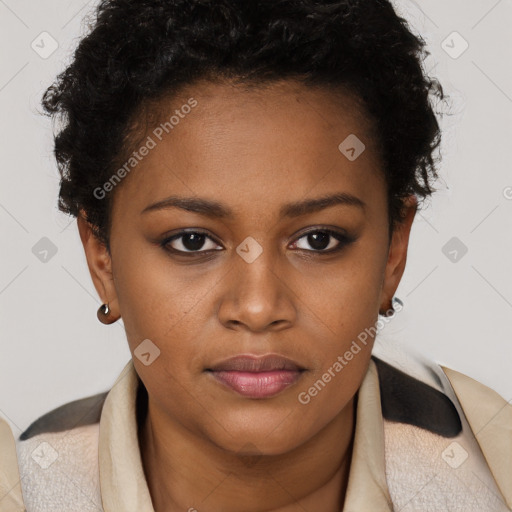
column 245, row 176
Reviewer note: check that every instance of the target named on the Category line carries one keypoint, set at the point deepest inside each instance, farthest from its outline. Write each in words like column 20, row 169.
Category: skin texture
column 203, row 445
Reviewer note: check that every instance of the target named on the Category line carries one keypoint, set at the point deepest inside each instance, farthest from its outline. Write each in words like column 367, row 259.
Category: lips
column 257, row 376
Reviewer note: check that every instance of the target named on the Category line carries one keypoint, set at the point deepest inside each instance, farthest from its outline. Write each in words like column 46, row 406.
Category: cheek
column 345, row 298
column 173, row 307
column 325, row 393
column 345, row 328
column 156, row 300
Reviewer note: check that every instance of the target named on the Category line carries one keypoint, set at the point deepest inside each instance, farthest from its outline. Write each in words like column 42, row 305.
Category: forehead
column 243, row 145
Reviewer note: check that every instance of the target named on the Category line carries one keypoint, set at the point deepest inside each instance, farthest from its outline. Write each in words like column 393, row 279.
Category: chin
column 255, row 442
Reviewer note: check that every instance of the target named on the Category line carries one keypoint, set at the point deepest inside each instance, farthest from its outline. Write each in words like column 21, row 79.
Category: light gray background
column 53, row 349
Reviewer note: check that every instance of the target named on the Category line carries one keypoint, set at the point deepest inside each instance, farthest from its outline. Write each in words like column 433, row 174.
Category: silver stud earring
column 395, row 304
column 103, row 314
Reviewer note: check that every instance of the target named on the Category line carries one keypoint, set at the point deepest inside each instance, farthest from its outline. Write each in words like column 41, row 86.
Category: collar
column 122, row 480
column 123, row 483
column 367, row 486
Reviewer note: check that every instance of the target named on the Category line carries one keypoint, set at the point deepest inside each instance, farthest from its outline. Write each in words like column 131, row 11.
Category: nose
column 256, row 297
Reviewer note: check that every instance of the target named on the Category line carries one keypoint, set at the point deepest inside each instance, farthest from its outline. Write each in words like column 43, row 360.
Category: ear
column 397, row 256
column 99, row 262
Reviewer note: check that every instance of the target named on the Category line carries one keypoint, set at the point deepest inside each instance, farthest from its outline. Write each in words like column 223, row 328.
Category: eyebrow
column 214, row 209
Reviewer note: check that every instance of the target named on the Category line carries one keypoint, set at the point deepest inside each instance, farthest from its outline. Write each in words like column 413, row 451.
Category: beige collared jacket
column 426, row 439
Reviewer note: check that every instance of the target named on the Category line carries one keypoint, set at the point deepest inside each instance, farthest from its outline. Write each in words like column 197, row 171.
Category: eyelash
column 343, row 239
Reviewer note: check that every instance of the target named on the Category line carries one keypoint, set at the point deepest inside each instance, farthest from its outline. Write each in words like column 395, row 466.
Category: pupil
column 319, row 240
column 193, row 241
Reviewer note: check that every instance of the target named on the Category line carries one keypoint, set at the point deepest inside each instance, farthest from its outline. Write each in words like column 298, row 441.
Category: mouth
column 257, row 376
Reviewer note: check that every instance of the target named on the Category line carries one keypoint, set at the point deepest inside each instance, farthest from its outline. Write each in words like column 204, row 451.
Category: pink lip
column 256, row 376
column 258, row 384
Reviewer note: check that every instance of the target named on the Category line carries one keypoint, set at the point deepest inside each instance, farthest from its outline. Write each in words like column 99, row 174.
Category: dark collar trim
column 78, row 413
column 405, row 399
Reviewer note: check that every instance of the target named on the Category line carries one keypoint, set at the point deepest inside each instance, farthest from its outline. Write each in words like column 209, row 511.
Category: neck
column 185, row 471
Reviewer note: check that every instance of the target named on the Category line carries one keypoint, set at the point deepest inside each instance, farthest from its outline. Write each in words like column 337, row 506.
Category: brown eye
column 190, row 242
column 322, row 240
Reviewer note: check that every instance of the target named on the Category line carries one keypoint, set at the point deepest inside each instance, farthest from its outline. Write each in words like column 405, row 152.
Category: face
column 257, row 264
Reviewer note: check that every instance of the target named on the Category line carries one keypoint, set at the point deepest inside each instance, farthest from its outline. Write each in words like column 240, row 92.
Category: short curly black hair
column 140, row 50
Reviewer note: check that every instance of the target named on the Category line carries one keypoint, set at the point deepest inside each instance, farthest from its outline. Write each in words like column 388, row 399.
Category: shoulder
column 58, row 458
column 10, row 490
column 437, row 457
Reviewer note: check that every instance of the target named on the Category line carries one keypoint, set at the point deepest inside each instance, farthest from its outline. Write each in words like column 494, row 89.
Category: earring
column 104, row 314
column 390, row 312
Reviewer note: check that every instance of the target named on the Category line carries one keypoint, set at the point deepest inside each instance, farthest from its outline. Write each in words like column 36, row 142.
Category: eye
column 322, row 241
column 197, row 242
column 190, row 242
